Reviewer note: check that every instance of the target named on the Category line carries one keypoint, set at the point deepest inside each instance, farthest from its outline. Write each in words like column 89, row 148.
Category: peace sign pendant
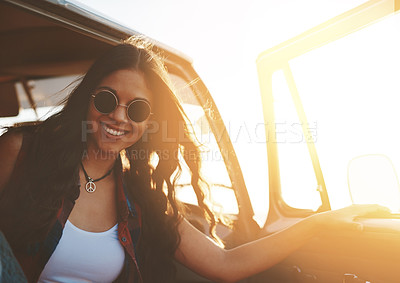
column 90, row 186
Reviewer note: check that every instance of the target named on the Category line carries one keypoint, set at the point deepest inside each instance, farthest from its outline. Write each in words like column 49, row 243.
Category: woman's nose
column 119, row 114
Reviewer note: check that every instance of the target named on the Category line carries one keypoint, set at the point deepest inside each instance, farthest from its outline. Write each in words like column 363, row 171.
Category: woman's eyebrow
column 140, row 98
column 115, row 92
column 108, row 88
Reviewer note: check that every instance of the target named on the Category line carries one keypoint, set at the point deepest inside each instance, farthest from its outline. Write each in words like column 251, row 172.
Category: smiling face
column 114, row 132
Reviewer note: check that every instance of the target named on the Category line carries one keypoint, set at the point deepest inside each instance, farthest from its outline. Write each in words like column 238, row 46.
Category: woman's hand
column 344, row 219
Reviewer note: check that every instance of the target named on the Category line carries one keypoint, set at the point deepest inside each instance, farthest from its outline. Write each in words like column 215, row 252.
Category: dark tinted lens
column 139, row 110
column 105, row 102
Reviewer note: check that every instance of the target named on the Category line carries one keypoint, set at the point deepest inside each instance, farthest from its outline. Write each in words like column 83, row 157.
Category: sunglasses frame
column 118, row 104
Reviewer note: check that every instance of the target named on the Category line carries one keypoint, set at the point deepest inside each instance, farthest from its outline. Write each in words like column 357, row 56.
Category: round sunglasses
column 105, row 101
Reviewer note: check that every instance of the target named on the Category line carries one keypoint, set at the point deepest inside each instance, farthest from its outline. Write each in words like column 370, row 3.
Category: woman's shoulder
column 10, row 147
column 10, row 144
column 14, row 137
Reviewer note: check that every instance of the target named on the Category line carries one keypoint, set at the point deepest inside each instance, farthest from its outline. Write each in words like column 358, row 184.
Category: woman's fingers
column 357, row 226
column 369, row 210
column 345, row 218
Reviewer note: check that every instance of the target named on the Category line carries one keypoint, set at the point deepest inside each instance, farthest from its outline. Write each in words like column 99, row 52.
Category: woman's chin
column 103, row 151
column 109, row 152
column 105, row 146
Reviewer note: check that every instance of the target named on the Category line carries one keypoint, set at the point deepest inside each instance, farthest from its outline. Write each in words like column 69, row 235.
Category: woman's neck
column 97, row 162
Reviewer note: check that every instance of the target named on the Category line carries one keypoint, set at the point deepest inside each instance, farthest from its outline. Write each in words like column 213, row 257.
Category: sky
column 223, row 37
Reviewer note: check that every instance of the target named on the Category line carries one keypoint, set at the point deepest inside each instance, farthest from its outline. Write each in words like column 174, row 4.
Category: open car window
column 354, row 82
column 213, row 167
column 335, row 88
column 47, row 93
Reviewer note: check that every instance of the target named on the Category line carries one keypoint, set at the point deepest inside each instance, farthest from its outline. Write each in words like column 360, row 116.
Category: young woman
column 81, row 202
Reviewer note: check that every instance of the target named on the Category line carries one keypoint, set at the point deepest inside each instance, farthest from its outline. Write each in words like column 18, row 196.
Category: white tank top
column 83, row 256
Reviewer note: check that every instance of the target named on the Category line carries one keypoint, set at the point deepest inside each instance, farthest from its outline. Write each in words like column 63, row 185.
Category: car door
column 334, row 88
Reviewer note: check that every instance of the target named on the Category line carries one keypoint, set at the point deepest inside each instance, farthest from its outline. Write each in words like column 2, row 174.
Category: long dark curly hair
column 57, row 147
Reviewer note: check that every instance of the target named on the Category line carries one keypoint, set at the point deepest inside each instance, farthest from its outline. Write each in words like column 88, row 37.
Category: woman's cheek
column 142, row 130
column 136, row 133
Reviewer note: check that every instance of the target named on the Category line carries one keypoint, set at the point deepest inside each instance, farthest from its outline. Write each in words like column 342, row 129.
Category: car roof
column 54, row 38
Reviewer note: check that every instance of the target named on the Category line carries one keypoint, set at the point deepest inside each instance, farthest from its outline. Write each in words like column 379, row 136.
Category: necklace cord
column 89, row 179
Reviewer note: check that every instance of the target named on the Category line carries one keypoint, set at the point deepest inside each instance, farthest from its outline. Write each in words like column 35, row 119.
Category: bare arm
column 203, row 256
column 10, row 145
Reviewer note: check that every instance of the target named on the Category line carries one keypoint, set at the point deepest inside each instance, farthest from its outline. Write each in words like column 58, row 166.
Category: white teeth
column 112, row 131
